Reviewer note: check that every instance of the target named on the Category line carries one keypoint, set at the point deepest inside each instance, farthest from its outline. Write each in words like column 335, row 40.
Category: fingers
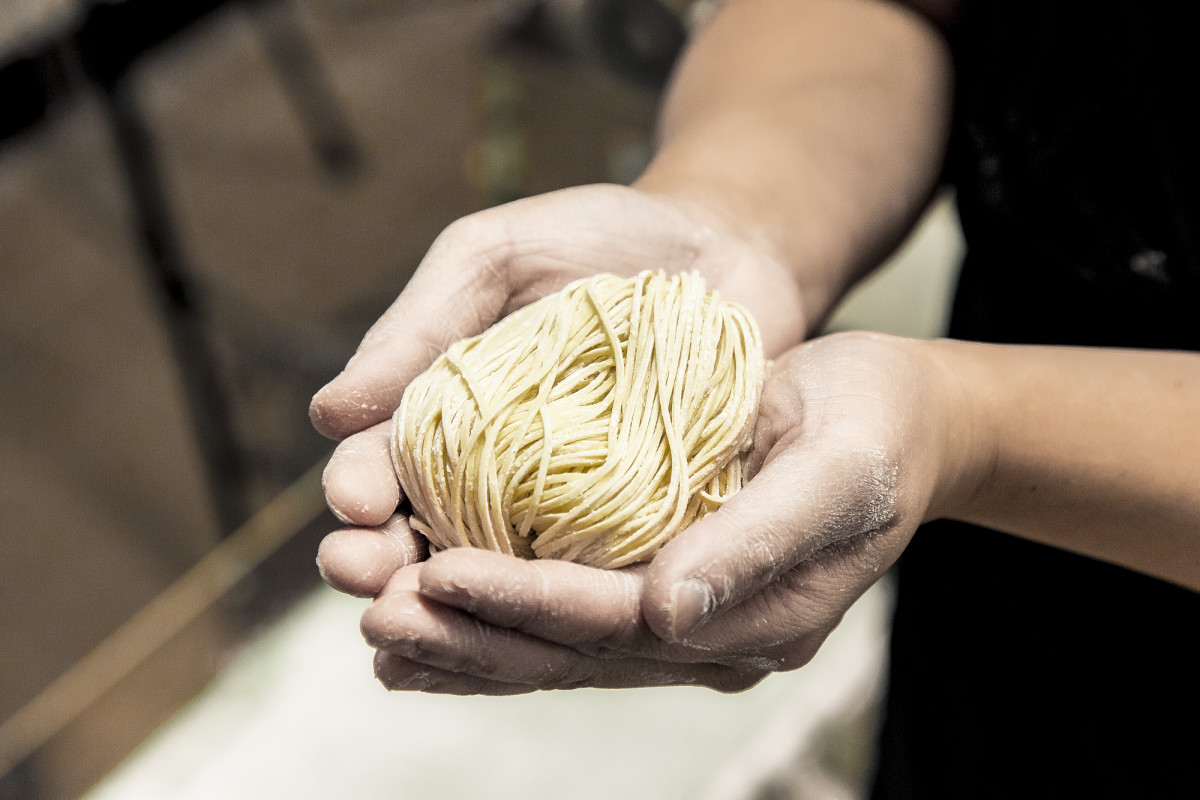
column 599, row 611
column 362, row 490
column 359, row 561
column 803, row 500
column 404, row 623
column 434, row 647
column 397, row 674
column 458, row 290
column 360, row 483
column 554, row 600
column 782, row 626
column 463, row 647
column 467, row 280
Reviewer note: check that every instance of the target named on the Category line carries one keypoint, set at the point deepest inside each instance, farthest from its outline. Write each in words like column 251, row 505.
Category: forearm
column 815, row 126
column 1092, row 450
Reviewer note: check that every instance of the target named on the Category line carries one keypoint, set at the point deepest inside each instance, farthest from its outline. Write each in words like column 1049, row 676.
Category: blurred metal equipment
column 632, row 44
column 86, row 46
column 635, row 40
column 312, row 97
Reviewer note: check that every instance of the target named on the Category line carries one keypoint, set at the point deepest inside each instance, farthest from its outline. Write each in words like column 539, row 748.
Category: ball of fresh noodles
column 590, row 426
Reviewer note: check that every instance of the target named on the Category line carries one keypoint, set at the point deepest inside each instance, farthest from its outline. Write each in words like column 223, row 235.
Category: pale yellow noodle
column 590, row 426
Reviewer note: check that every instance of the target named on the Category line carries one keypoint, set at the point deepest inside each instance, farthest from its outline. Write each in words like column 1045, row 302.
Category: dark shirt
column 1018, row 670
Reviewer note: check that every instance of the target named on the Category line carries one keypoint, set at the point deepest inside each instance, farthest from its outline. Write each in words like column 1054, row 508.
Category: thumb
column 804, row 499
column 456, row 292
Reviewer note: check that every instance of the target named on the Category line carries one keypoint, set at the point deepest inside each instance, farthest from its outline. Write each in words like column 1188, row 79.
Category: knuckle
column 463, row 229
column 469, row 652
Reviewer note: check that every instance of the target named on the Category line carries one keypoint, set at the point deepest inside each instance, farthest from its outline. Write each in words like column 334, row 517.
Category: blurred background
column 203, row 206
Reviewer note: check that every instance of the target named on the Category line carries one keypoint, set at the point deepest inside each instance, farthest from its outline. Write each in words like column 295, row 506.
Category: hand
column 481, row 268
column 848, row 453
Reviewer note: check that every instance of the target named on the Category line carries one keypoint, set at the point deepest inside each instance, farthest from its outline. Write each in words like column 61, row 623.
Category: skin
column 860, row 437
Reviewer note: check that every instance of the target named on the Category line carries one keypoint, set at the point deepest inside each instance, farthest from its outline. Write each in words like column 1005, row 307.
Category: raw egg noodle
column 591, row 426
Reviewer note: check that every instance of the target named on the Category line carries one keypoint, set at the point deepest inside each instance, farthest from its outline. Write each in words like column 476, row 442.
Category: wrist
column 962, row 429
column 721, row 201
column 748, row 210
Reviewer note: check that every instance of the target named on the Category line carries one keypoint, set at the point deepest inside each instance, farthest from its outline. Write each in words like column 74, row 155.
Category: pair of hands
column 842, row 473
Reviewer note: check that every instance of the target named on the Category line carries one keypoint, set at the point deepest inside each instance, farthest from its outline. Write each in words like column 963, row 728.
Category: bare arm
column 816, row 126
column 1091, row 450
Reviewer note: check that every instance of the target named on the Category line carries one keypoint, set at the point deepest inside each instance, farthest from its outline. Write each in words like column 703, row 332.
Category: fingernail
column 341, row 515
column 692, row 602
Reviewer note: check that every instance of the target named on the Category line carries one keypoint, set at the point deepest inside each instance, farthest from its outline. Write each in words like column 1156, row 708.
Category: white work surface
column 298, row 714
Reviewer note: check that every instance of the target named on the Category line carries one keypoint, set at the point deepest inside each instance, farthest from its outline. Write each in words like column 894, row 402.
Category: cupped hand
column 847, row 461
column 483, row 267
